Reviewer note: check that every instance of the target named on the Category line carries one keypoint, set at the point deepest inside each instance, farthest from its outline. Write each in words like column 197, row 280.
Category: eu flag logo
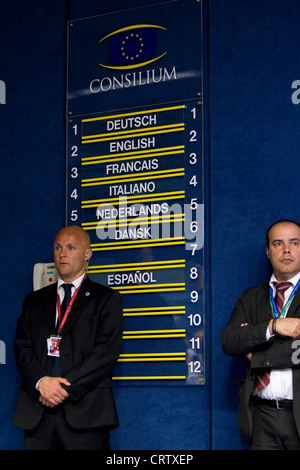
column 132, row 47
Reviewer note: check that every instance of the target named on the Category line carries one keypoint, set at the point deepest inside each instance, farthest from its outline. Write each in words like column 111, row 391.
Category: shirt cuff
column 38, row 383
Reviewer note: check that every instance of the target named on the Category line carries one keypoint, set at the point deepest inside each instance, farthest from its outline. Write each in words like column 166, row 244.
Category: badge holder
column 53, row 344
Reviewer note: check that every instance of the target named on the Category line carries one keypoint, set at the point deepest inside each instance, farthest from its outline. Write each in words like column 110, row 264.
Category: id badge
column 53, row 345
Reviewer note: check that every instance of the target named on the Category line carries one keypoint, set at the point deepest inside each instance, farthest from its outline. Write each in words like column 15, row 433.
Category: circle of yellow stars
column 140, row 46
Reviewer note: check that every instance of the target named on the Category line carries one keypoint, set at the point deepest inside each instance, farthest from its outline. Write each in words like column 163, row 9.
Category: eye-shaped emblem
column 131, row 47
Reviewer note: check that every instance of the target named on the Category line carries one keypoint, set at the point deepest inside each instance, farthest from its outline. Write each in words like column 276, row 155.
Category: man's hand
column 51, row 392
column 286, row 327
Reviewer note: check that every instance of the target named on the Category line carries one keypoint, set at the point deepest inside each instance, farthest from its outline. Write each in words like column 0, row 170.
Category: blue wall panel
column 254, row 129
column 254, row 59
column 32, row 165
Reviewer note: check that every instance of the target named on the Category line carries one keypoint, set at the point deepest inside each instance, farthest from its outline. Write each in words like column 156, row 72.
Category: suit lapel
column 264, row 302
column 50, row 307
column 84, row 294
column 294, row 305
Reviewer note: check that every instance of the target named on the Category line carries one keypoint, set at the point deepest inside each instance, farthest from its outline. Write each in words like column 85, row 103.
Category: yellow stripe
column 129, row 242
column 177, row 129
column 124, row 199
column 151, row 311
column 141, row 289
column 133, row 155
column 154, row 308
column 139, row 221
column 146, row 263
column 129, row 28
column 154, row 336
column 175, row 284
column 168, row 289
column 170, row 266
column 124, row 134
column 131, row 199
column 148, row 111
column 138, row 244
column 148, row 332
column 125, row 67
column 138, row 154
column 149, row 199
column 158, row 359
column 133, row 177
column 152, row 377
column 109, row 246
column 109, row 179
column 137, row 266
column 182, row 354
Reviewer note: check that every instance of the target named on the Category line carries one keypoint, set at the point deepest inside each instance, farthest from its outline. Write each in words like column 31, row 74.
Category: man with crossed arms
column 269, row 409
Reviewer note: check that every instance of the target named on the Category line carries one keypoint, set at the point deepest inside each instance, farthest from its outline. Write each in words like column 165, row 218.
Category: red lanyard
column 68, row 309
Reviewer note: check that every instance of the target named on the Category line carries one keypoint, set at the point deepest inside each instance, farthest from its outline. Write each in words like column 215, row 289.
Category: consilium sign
column 133, row 79
column 162, row 60
column 130, row 48
column 135, row 180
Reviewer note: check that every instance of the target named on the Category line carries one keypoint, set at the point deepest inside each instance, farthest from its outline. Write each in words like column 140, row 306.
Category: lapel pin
column 87, row 294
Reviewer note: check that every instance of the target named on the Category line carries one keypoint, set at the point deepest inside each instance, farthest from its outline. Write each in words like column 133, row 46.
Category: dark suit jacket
column 90, row 346
column 253, row 307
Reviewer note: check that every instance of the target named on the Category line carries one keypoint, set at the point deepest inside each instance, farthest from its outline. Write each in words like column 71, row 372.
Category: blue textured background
column 252, row 175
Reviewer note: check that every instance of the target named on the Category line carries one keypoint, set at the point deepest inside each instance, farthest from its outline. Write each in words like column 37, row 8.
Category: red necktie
column 263, row 380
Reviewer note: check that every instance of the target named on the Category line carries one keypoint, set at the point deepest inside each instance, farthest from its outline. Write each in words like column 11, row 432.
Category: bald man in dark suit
column 66, row 399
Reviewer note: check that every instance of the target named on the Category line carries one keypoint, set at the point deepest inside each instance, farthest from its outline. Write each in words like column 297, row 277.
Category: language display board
column 135, row 180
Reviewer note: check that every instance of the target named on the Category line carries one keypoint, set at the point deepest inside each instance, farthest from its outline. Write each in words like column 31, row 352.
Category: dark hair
column 279, row 222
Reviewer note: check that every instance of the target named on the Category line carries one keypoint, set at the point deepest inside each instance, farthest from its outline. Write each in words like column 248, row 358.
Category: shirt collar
column 76, row 283
column 293, row 280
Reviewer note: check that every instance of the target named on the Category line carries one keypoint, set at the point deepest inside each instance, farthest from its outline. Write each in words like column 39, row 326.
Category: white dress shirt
column 61, row 290
column 61, row 293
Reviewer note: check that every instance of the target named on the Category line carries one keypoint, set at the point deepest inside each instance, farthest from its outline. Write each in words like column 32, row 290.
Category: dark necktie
column 67, row 297
column 55, row 372
column 264, row 379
